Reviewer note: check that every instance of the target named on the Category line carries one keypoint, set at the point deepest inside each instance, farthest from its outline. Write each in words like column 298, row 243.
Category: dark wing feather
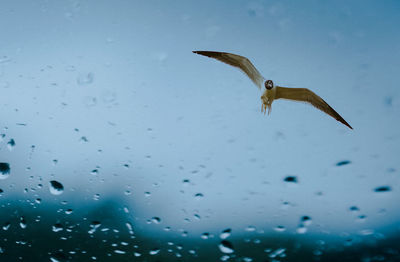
column 306, row 95
column 238, row 61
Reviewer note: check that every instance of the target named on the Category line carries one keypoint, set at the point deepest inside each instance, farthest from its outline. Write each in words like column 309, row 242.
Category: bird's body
column 272, row 91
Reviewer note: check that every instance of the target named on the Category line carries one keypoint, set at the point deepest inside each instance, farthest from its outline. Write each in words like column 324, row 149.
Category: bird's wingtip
column 349, row 126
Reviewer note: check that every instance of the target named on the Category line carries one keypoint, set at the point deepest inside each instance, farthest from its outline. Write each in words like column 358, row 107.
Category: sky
column 109, row 100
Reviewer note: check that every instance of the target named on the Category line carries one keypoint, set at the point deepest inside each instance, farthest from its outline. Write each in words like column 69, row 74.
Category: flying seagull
column 273, row 91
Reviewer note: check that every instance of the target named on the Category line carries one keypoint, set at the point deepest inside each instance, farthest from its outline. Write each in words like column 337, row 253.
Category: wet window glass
column 118, row 143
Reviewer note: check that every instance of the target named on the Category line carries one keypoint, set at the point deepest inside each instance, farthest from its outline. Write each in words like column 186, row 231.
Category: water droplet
column 383, row 189
column 11, row 144
column 68, row 211
column 306, row 220
column 57, row 228
column 117, row 251
column 6, row 226
column 226, row 247
column 225, row 258
column 279, row 228
column 205, row 235
column 343, row 163
column 22, row 223
column 250, row 229
column 279, row 252
column 301, row 229
column 4, row 170
column 366, row 232
column 85, row 79
column 4, row 59
column 291, row 179
column 186, row 182
column 130, row 227
column 156, row 220
column 361, row 218
column 154, row 251
column 94, row 226
column 56, row 188
column 147, row 194
column 225, row 233
column 137, row 254
column 94, row 172
column 354, row 209
column 198, row 196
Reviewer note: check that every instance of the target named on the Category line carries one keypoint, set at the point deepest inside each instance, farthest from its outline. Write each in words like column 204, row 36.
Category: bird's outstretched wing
column 238, row 61
column 306, row 95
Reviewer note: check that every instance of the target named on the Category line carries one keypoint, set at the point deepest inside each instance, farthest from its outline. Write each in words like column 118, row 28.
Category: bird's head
column 269, row 84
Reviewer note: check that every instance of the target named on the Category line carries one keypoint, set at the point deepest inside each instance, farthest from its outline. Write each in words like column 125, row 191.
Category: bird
column 273, row 92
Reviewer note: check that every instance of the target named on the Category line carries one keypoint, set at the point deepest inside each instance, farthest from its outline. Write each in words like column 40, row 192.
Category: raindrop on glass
column 354, row 209
column 198, row 196
column 94, row 172
column 94, row 226
column 156, row 220
column 96, row 197
column 343, row 163
column 57, row 228
column 85, row 79
column 225, row 233
column 11, row 144
column 301, row 229
column 205, row 235
column 6, row 226
column 279, row 252
column 4, row 170
column 226, row 247
column 22, row 223
column 250, row 229
column 154, row 251
column 56, row 188
column 306, row 220
column 290, row 179
column 279, row 228
column 383, row 189
column 361, row 218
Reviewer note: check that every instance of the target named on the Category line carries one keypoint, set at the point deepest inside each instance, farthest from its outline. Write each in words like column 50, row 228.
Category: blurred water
column 107, row 115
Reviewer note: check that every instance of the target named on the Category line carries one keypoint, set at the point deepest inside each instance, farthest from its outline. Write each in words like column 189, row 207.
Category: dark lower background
column 102, row 234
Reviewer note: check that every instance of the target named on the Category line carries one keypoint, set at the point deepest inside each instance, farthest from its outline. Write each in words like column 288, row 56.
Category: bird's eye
column 269, row 84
